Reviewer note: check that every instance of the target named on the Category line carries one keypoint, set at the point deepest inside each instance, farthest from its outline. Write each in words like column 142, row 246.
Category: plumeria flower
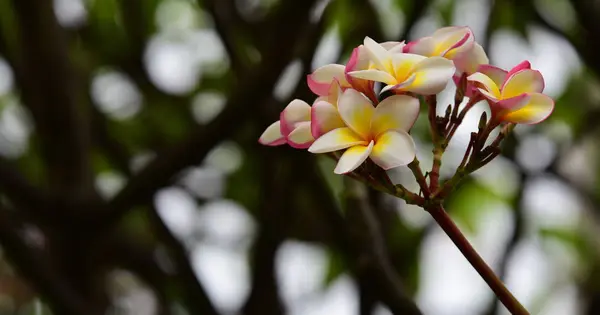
column 292, row 128
column 379, row 133
column 514, row 96
column 359, row 60
column 448, row 42
column 327, row 79
column 404, row 72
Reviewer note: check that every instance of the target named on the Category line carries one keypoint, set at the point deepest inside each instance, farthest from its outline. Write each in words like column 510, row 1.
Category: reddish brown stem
column 418, row 173
column 503, row 294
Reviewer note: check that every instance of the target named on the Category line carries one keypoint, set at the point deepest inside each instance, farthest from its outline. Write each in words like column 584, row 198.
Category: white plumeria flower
column 404, row 72
column 379, row 133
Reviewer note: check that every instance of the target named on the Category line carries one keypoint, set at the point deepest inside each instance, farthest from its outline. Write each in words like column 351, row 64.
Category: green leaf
column 571, row 237
column 336, row 266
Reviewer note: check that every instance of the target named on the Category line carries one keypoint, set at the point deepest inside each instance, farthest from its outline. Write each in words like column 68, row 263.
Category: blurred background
column 132, row 182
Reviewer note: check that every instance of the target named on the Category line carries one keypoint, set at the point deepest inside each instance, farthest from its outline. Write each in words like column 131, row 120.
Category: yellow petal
column 356, row 111
column 486, row 83
column 540, row 106
column 524, row 81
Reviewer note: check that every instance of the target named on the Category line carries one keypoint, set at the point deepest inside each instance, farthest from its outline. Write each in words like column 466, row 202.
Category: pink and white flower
column 403, row 72
column 379, row 133
column 293, row 127
column 514, row 96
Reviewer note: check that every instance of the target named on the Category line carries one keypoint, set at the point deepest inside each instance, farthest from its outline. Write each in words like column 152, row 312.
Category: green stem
column 503, row 294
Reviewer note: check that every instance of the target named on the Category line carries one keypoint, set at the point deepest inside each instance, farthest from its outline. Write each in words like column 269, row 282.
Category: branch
column 195, row 296
column 256, row 87
column 364, row 262
column 48, row 88
column 445, row 222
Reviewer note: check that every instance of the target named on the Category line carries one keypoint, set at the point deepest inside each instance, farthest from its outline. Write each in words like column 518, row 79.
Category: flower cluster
column 367, row 106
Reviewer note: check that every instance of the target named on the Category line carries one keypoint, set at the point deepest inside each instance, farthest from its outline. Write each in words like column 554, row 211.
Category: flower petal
column 405, row 64
column 353, row 158
column 378, row 55
column 296, row 111
column 483, row 82
column 540, row 106
column 497, row 75
column 470, row 61
column 321, row 79
column 454, row 41
column 324, row 117
column 393, row 149
column 301, row 137
column 374, row 75
column 521, row 66
column 356, row 111
column 524, row 81
column 336, row 139
column 272, row 135
column 424, row 46
column 513, row 103
column 397, row 112
column 432, row 76
column 393, row 47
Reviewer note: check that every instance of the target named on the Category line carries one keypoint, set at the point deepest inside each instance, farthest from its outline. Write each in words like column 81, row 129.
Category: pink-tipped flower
column 402, row 72
column 514, row 96
column 379, row 133
column 292, row 128
column 359, row 60
column 326, row 79
column 456, row 43
column 448, row 42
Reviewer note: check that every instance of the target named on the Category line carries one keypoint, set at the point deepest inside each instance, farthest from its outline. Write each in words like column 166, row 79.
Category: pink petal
column 296, row 111
column 521, row 66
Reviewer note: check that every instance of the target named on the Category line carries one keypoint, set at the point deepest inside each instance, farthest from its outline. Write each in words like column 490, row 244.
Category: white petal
column 433, row 75
column 393, row 149
column 378, row 55
column 272, row 135
column 393, row 47
column 336, row 139
column 353, row 158
column 397, row 112
column 470, row 61
column 324, row 118
column 356, row 111
column 424, row 47
column 329, row 72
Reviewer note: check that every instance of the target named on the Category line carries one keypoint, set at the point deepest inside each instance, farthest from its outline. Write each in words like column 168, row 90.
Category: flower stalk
column 503, row 294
